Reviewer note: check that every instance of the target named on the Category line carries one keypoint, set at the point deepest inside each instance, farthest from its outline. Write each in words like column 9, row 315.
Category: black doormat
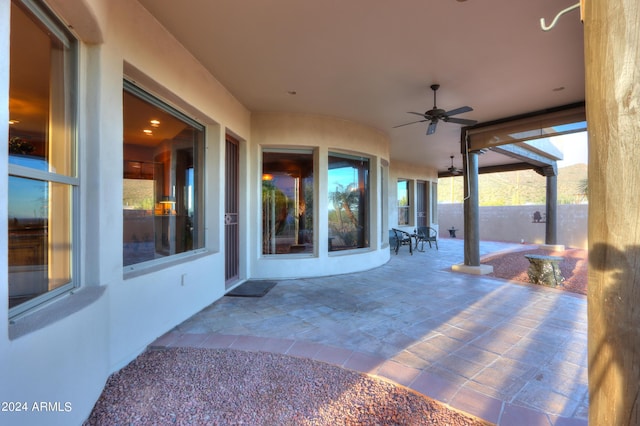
column 252, row 289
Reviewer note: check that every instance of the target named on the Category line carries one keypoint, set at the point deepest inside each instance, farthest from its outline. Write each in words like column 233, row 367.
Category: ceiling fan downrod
column 435, row 88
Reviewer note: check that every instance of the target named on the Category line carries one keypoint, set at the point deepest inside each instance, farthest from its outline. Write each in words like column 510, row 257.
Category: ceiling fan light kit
column 436, row 114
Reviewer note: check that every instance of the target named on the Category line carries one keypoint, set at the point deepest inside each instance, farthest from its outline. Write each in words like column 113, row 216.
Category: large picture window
column 287, row 202
column 43, row 183
column 348, row 202
column 163, row 179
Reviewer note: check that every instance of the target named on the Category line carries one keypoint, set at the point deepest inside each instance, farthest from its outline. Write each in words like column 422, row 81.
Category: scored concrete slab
column 494, row 348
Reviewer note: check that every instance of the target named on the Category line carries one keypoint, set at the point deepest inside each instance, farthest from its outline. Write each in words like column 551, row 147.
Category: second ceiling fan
column 453, row 169
column 436, row 114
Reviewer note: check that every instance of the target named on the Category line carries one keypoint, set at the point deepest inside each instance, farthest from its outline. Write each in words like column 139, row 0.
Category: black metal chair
column 403, row 238
column 426, row 234
column 394, row 243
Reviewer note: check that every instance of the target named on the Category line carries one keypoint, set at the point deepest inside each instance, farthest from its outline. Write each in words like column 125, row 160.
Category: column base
column 475, row 270
column 552, row 247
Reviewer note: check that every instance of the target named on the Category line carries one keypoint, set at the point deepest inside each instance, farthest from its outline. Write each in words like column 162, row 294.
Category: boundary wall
column 517, row 224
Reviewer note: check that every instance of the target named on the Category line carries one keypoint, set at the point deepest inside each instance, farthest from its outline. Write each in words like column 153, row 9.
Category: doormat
column 252, row 289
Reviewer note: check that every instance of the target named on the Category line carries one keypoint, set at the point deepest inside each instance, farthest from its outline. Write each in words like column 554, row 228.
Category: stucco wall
column 322, row 134
column 515, row 223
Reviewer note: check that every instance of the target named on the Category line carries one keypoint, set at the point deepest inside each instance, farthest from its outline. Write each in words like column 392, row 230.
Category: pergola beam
column 522, row 128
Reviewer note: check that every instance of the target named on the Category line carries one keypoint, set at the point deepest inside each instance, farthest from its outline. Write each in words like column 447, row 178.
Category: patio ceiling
column 372, row 61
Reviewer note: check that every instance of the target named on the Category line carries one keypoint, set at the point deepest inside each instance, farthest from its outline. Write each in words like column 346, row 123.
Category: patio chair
column 403, row 238
column 428, row 234
column 394, row 243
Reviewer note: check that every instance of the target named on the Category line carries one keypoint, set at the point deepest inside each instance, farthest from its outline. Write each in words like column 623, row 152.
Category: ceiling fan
column 436, row 114
column 453, row 169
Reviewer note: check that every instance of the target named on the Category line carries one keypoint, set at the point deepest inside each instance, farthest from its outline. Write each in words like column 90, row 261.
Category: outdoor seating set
column 422, row 234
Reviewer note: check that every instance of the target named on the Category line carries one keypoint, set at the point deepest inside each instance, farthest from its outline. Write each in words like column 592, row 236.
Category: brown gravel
column 189, row 386
column 513, row 266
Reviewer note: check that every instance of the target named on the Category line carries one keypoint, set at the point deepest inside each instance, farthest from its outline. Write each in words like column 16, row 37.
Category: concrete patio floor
column 509, row 353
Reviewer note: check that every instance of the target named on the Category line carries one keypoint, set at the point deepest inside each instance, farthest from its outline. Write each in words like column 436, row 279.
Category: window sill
column 55, row 310
column 149, row 267
column 361, row 250
column 288, row 256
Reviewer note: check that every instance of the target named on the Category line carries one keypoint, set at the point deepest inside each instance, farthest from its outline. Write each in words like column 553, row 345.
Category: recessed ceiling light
column 14, row 121
column 292, row 92
column 154, row 123
column 558, row 89
column 148, row 131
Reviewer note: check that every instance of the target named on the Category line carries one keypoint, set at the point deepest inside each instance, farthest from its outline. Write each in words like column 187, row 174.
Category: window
column 163, row 179
column 348, row 187
column 403, row 202
column 382, row 197
column 43, row 181
column 434, row 202
column 287, row 202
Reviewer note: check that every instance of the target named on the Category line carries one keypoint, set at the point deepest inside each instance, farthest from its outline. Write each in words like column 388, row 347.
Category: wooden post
column 612, row 65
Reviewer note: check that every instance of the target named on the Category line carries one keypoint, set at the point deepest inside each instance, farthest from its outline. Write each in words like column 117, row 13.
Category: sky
column 574, row 147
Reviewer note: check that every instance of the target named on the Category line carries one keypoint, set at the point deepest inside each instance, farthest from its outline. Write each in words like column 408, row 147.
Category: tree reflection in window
column 348, row 202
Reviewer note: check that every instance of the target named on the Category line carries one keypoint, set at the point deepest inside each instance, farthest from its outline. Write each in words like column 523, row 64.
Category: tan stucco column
column 612, row 64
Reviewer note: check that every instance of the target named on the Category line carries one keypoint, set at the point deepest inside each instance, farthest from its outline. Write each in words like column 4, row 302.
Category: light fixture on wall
column 167, row 204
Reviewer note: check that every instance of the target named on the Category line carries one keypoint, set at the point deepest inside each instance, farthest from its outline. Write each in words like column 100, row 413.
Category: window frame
column 368, row 214
column 70, row 67
column 433, row 198
column 200, row 194
column 382, row 197
column 314, row 238
column 409, row 205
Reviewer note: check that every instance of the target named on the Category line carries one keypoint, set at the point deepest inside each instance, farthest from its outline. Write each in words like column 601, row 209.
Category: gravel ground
column 189, row 386
column 513, row 266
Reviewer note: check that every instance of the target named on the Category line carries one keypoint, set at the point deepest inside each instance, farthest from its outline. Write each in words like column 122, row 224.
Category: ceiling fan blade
column 417, row 113
column 406, row 124
column 462, row 121
column 432, row 127
column 458, row 111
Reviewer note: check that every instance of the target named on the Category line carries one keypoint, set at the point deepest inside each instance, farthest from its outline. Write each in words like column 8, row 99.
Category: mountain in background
column 518, row 188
